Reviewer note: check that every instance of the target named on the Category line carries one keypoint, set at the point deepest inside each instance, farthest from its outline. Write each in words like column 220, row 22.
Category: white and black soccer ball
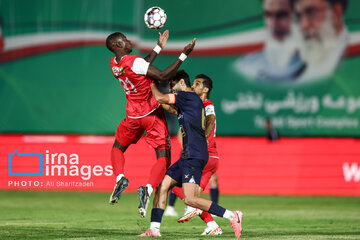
column 155, row 18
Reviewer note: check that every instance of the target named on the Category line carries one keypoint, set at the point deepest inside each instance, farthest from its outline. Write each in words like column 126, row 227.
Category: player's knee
column 190, row 201
column 119, row 146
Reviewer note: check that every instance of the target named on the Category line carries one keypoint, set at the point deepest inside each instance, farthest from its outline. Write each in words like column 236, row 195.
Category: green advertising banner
column 295, row 62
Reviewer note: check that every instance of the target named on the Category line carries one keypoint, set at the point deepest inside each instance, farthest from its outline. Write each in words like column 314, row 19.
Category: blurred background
column 277, row 65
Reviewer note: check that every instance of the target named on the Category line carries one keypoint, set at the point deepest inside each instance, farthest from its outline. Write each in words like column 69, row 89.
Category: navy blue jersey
column 191, row 116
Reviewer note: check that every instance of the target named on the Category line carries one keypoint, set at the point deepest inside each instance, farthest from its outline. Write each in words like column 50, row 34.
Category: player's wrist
column 157, row 49
column 182, row 57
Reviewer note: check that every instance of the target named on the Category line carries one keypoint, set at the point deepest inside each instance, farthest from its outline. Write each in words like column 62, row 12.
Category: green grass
column 68, row 215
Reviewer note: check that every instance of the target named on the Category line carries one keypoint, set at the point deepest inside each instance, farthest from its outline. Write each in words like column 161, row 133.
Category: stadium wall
column 290, row 166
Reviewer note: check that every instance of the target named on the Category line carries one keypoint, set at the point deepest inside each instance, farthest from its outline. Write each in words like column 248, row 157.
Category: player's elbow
column 162, row 77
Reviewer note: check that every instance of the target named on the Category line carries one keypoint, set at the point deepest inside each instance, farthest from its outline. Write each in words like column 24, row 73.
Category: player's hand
column 188, row 48
column 163, row 38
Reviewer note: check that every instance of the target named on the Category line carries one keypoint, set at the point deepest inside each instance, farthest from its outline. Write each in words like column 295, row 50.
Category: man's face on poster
column 277, row 15
column 320, row 23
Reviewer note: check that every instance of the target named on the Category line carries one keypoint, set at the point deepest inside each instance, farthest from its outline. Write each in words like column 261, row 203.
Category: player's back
column 191, row 116
column 131, row 75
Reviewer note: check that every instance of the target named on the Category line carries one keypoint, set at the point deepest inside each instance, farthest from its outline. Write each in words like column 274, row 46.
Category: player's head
column 180, row 82
column 278, row 18
column 118, row 43
column 321, row 21
column 202, row 85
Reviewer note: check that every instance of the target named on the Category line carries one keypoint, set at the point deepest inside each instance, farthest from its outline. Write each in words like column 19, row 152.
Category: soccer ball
column 155, row 18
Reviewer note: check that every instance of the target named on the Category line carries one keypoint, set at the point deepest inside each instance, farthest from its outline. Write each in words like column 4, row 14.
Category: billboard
column 294, row 63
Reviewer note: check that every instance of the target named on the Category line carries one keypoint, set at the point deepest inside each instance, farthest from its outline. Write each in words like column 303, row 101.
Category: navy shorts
column 187, row 170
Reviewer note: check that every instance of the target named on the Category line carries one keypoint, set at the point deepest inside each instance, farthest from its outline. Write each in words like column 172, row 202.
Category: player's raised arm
column 160, row 45
column 161, row 97
column 156, row 74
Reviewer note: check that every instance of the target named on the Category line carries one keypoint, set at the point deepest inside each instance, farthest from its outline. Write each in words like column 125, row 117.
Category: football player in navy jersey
column 186, row 172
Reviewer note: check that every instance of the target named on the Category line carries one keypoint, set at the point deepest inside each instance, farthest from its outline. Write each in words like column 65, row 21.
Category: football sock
column 156, row 216
column 214, row 193
column 149, row 189
column 228, row 215
column 178, row 192
column 206, row 217
column 217, row 210
column 172, row 199
column 117, row 161
column 212, row 224
column 118, row 177
column 158, row 171
column 155, row 225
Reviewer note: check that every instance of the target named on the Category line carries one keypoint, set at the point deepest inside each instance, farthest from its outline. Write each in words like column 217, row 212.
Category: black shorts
column 187, row 170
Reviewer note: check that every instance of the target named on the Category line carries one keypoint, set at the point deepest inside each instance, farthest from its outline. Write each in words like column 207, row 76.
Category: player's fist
column 188, row 48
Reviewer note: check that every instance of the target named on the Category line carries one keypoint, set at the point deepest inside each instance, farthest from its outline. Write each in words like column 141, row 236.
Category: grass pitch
column 70, row 215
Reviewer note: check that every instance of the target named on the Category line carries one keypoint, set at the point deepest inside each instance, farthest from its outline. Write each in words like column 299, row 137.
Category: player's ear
column 120, row 43
column 206, row 90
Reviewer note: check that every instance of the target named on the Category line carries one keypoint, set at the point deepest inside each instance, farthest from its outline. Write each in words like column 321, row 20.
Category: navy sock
column 214, row 193
column 156, row 214
column 216, row 210
column 172, row 198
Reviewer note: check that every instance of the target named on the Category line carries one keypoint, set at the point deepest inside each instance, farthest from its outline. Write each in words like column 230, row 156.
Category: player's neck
column 203, row 97
column 188, row 89
column 119, row 56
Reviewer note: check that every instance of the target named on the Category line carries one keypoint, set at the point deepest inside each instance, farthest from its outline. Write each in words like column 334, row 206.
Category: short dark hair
column 207, row 82
column 343, row 3
column 181, row 74
column 111, row 39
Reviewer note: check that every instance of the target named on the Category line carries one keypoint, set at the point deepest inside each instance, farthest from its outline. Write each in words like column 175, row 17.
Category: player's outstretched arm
column 170, row 108
column 156, row 74
column 160, row 45
column 161, row 97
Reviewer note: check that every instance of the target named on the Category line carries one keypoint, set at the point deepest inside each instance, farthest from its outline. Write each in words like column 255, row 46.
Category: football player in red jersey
column 143, row 112
column 202, row 86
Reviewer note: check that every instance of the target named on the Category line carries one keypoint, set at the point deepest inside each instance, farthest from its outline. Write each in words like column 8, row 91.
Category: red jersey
column 210, row 109
column 131, row 71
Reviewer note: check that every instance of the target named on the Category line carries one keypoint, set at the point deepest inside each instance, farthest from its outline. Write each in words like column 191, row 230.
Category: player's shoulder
column 207, row 102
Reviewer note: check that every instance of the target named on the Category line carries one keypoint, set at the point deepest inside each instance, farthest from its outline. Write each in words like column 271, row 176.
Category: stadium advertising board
column 82, row 163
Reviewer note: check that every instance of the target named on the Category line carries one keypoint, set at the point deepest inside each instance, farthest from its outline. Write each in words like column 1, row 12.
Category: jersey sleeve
column 179, row 99
column 209, row 110
column 140, row 66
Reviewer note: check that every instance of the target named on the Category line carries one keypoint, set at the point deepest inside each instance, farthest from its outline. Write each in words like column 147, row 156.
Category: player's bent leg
column 192, row 199
column 118, row 161
column 157, row 173
column 161, row 194
column 158, row 170
column 159, row 206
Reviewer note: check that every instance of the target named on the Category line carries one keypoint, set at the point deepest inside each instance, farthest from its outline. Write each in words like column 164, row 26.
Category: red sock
column 117, row 161
column 178, row 192
column 158, row 171
column 206, row 217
